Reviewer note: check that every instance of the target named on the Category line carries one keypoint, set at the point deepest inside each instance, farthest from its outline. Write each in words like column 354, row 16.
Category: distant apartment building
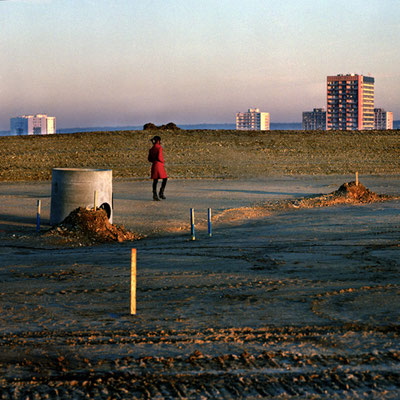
column 350, row 102
column 39, row 124
column 383, row 119
column 253, row 120
column 314, row 120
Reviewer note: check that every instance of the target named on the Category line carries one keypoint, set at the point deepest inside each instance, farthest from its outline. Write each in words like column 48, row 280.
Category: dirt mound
column 85, row 226
column 348, row 193
column 168, row 127
column 357, row 192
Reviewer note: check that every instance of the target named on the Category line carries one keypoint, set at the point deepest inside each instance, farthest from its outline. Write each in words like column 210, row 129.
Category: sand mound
column 348, row 193
column 357, row 192
column 86, row 226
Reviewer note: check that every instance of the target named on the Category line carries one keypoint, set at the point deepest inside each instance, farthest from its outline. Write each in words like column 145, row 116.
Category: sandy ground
column 296, row 304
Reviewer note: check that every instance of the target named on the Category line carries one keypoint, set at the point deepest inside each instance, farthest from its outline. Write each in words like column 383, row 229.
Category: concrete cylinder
column 75, row 187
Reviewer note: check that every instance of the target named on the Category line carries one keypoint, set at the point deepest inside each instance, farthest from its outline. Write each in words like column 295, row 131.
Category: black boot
column 155, row 197
column 161, row 194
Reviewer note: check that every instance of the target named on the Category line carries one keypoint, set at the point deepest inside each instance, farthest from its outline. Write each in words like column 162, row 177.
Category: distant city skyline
column 102, row 63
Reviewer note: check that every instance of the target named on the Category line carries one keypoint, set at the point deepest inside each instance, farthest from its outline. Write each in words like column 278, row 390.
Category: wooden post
column 133, row 281
column 356, row 178
column 38, row 216
column 192, row 229
column 209, row 222
column 95, row 200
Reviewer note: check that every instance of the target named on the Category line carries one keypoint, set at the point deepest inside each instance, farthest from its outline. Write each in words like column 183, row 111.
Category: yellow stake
column 133, row 282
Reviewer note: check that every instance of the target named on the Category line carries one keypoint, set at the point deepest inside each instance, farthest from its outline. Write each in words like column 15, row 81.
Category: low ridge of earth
column 203, row 154
column 348, row 193
column 167, row 127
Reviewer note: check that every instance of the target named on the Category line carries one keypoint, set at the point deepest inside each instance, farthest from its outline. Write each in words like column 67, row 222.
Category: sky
column 128, row 62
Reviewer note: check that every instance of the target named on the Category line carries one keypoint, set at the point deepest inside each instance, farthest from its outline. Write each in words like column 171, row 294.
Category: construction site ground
column 294, row 302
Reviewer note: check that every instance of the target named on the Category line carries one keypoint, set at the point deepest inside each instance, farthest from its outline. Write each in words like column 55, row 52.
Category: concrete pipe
column 75, row 187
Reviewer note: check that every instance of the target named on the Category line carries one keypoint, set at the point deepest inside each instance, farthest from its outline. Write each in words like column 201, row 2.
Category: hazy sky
column 127, row 62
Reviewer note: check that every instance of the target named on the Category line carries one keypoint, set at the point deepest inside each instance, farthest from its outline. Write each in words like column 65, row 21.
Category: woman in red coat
column 157, row 168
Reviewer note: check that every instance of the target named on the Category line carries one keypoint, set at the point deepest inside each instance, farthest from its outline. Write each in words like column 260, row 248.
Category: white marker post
column 38, row 216
column 356, row 178
column 95, row 200
column 133, row 282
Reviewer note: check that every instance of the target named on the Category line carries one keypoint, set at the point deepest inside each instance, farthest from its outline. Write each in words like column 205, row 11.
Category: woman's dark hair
column 156, row 139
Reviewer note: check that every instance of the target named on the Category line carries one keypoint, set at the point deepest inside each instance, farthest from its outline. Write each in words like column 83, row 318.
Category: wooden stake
column 133, row 282
column 95, row 200
column 356, row 178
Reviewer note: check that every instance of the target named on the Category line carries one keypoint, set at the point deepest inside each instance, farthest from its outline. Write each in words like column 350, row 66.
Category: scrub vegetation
column 203, row 154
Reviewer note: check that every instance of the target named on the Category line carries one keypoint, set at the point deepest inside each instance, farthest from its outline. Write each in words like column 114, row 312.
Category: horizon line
column 177, row 124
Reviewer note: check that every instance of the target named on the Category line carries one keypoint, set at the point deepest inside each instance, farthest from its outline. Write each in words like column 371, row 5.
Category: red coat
column 156, row 157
